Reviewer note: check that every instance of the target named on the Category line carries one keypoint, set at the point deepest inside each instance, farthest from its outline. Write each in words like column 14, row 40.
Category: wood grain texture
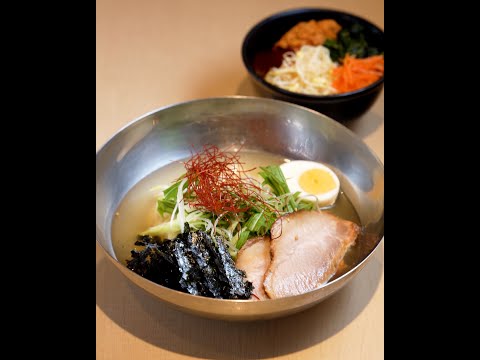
column 155, row 53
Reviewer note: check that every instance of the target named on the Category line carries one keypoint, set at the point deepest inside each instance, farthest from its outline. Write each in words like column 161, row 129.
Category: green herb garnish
column 350, row 41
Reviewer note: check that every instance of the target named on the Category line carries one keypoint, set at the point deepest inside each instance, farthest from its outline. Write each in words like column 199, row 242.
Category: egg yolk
column 316, row 181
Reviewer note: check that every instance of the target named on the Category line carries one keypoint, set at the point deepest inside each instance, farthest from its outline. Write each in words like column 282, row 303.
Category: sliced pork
column 307, row 247
column 254, row 259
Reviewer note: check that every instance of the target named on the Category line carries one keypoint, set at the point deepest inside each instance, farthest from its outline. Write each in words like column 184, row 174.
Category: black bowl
column 266, row 33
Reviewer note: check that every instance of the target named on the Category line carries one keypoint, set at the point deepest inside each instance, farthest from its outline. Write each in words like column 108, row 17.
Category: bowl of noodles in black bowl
column 238, row 208
column 327, row 60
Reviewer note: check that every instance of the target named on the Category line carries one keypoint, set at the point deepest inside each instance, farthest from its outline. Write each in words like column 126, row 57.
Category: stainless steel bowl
column 278, row 127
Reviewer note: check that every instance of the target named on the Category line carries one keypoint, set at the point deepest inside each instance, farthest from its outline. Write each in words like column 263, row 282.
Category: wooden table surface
column 155, row 53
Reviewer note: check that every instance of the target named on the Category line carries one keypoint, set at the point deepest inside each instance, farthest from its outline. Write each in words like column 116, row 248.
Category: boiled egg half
column 315, row 181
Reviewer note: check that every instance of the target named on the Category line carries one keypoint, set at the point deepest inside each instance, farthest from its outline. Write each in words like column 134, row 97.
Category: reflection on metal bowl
column 272, row 126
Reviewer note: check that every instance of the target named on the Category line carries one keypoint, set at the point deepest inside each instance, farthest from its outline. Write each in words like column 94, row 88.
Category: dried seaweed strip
column 193, row 262
column 204, row 261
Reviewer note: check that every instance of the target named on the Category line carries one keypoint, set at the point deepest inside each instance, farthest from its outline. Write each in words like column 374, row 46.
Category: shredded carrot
column 355, row 73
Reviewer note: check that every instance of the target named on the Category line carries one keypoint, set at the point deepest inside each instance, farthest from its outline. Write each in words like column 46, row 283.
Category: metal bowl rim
column 207, row 299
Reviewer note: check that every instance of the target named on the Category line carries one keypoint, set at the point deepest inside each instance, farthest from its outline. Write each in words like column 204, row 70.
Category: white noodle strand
column 308, row 71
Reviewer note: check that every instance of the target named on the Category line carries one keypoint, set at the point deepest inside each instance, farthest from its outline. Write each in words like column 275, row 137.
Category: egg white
column 292, row 171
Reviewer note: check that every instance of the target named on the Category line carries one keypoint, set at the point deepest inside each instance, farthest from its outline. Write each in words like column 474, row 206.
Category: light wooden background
column 155, row 53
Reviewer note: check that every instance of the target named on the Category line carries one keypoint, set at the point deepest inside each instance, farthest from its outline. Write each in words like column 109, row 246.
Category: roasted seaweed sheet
column 194, row 263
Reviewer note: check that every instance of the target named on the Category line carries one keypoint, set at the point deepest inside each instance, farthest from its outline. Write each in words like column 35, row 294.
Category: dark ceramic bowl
column 266, row 33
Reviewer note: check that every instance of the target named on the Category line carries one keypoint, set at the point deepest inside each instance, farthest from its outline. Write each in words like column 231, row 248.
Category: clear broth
column 137, row 211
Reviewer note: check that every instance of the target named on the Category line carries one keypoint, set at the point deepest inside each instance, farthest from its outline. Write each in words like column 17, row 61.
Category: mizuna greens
column 253, row 205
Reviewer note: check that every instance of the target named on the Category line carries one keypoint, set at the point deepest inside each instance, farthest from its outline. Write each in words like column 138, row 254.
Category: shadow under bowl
column 165, row 135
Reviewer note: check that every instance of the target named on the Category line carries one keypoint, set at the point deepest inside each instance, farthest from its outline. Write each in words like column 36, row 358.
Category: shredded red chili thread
column 218, row 180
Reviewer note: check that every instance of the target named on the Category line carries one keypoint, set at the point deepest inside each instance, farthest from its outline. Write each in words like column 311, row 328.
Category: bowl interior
column 277, row 127
column 266, row 33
